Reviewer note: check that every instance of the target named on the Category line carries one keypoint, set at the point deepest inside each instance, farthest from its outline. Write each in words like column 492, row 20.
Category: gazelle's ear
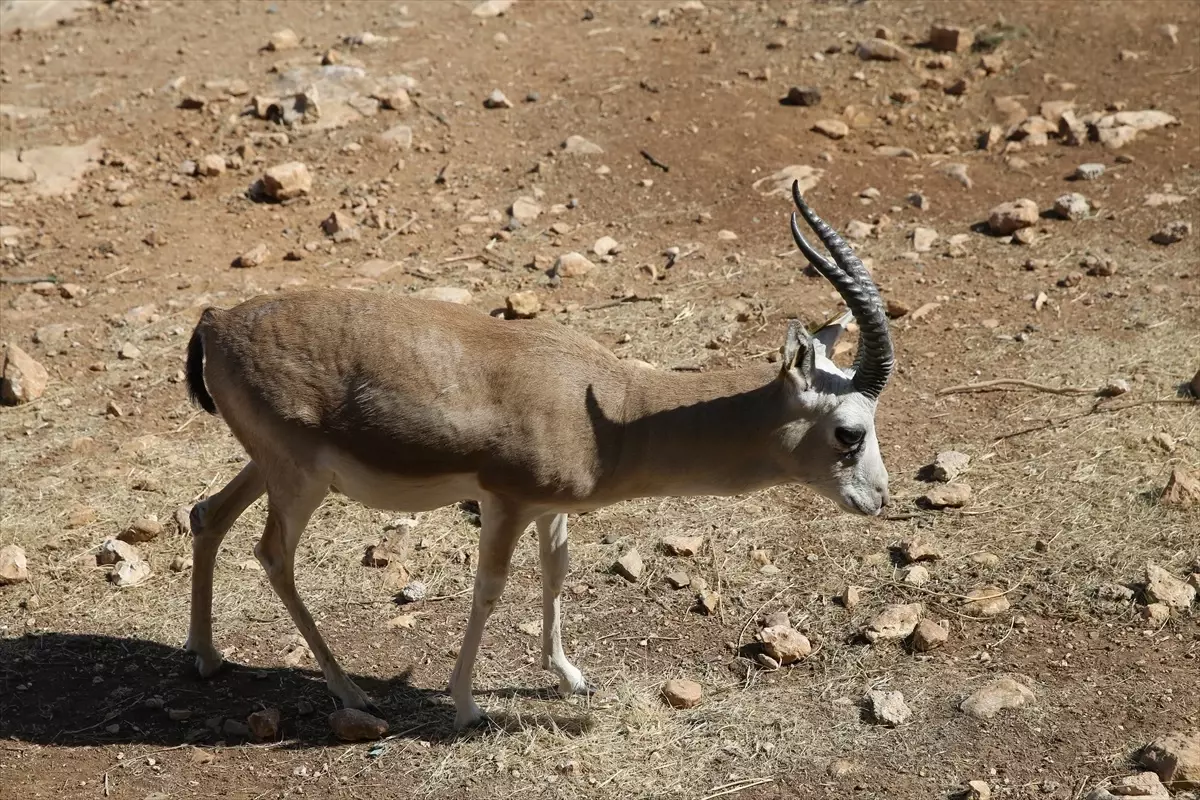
column 829, row 333
column 799, row 354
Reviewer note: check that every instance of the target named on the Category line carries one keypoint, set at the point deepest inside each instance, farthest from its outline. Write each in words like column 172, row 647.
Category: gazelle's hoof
column 471, row 719
column 354, row 697
column 572, row 683
column 209, row 660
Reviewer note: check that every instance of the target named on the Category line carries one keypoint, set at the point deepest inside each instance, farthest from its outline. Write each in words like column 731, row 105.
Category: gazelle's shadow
column 85, row 690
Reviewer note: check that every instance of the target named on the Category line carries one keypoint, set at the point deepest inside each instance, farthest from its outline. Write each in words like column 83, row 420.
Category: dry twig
column 1003, row 384
column 1096, row 409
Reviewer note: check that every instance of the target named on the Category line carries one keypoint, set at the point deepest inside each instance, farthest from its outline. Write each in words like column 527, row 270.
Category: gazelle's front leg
column 503, row 523
column 552, row 543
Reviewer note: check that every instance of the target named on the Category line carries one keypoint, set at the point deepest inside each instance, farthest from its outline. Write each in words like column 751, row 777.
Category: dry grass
column 1064, row 509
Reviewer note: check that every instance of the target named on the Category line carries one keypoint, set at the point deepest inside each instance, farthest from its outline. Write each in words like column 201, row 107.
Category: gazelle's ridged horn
column 875, row 358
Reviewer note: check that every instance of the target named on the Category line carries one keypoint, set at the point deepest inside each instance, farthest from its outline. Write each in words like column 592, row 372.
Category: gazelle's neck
column 699, row 433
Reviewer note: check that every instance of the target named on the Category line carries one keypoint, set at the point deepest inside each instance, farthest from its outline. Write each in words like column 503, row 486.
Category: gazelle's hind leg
column 552, row 544
column 211, row 519
column 503, row 524
column 291, row 501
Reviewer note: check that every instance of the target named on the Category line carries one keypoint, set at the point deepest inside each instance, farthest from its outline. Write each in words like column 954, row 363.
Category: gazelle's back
column 412, row 387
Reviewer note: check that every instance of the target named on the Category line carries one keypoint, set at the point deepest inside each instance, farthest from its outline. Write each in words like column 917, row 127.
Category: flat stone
column 22, row 379
column 211, row 166
column 1146, row 120
column 950, row 495
column 492, row 8
column 1146, row 786
column 888, row 708
column 145, row 529
column 13, row 566
column 114, row 551
column 948, row 465
column 1156, row 614
column 287, row 181
column 916, row 549
column 1175, row 759
column 337, row 222
column 929, row 635
column 1172, row 232
column 394, row 98
column 572, row 265
column 525, row 210
column 682, row 693
column 264, row 724
column 876, row 49
column 606, row 245
column 254, row 257
column 497, row 100
column 375, row 268
column 397, row 137
column 1163, row 587
column 896, row 621
column 784, row 644
column 285, row 39
column 950, row 39
column 988, row 601
column 985, row 559
column 629, row 566
column 780, row 182
column 678, row 580
column 1114, row 593
column 999, row 695
column 523, row 305
column 51, row 171
column 1116, row 138
column 353, row 725
column 1008, row 218
column 802, row 96
column 707, row 600
column 1088, row 172
column 682, row 545
column 923, row 239
column 579, row 146
column 130, row 573
column 413, row 592
column 915, row 575
column 833, row 128
column 1183, row 488
column 857, row 229
column 389, row 549
column 978, row 790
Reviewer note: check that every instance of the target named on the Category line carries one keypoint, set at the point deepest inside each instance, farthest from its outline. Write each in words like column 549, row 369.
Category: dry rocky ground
column 1023, row 180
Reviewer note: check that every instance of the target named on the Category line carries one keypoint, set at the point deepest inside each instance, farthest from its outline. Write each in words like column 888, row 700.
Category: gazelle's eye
column 849, row 438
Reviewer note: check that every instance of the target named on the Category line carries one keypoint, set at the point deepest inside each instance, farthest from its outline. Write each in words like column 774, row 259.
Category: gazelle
column 410, row 405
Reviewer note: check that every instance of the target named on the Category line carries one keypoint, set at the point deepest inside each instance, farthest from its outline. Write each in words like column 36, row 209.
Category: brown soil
column 1067, row 504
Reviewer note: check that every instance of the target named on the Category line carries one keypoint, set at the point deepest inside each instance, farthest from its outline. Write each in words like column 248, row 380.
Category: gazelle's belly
column 398, row 493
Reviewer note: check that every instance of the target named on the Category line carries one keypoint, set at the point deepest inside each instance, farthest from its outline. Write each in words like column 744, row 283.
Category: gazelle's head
column 829, row 440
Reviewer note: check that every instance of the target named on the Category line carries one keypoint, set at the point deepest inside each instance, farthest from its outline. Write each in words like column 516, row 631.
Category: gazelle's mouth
column 855, row 506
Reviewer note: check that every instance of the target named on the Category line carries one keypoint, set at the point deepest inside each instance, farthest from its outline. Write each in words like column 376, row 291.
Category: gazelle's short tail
column 195, row 372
